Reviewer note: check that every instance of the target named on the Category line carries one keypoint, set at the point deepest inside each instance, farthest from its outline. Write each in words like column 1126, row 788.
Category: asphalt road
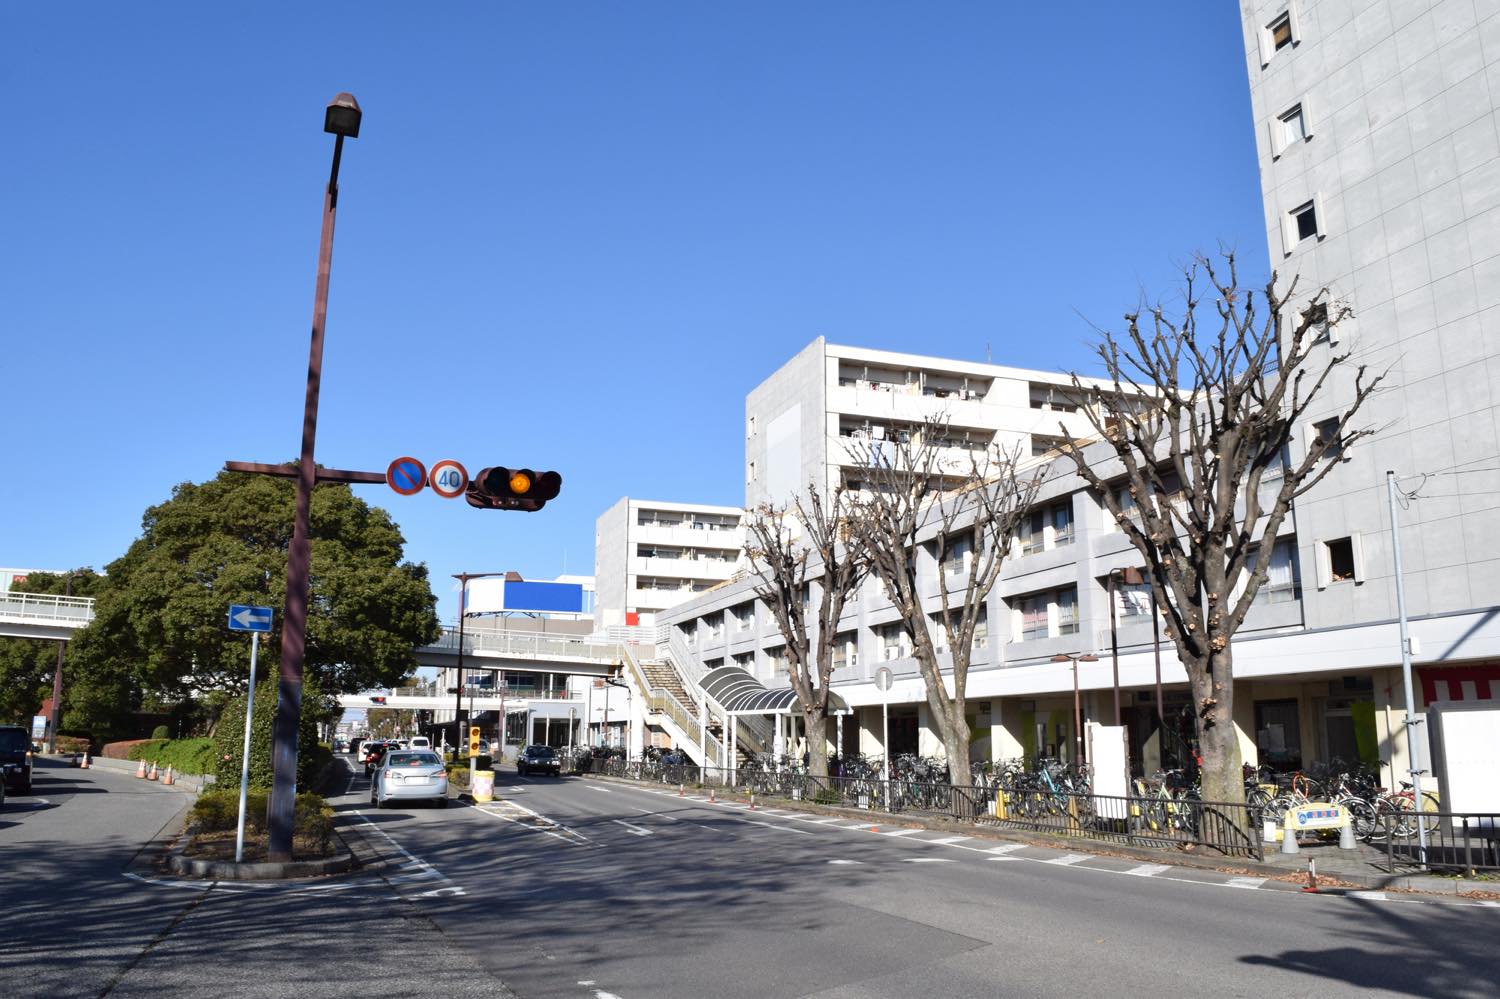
column 588, row 889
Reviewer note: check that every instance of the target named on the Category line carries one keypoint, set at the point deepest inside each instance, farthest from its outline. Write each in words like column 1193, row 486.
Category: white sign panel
column 1111, row 766
column 1466, row 756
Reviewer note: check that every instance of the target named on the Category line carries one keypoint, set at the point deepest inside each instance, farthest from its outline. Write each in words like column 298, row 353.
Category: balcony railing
column 530, row 644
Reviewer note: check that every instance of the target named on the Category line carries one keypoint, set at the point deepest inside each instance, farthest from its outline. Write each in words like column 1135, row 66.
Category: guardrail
column 529, row 643
column 47, row 607
column 1231, row 829
column 518, row 693
column 1456, row 841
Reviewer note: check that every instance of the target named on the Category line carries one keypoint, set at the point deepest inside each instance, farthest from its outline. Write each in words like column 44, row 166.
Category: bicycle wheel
column 1361, row 816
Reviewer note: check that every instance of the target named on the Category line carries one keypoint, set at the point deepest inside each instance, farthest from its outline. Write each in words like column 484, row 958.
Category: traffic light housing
column 501, row 488
column 473, row 740
column 377, row 700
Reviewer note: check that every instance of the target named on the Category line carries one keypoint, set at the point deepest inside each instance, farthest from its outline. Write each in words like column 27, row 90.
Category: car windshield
column 13, row 740
column 414, row 760
column 545, row 752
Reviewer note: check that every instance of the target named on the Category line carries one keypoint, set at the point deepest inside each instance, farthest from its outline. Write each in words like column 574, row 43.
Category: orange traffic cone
column 711, row 798
column 140, row 771
column 167, row 777
column 87, row 761
column 151, row 774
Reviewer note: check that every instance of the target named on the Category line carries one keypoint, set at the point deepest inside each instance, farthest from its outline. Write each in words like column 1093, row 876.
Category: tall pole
column 294, row 624
column 458, row 685
column 239, row 834
column 1114, row 644
column 1411, row 701
column 1077, row 716
column 57, row 680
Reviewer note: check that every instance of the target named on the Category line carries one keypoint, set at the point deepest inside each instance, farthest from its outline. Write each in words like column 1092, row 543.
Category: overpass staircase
column 674, row 701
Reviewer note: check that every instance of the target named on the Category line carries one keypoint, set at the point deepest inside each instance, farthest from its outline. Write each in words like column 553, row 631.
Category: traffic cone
column 680, row 791
column 140, row 770
column 87, row 761
column 151, row 774
column 167, row 777
column 1312, row 877
column 711, row 798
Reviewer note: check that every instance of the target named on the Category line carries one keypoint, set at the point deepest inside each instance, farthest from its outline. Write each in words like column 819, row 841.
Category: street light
column 463, row 612
column 341, row 119
column 62, row 643
column 1087, row 657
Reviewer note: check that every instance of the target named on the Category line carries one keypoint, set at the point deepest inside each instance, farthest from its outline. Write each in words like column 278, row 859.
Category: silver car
column 407, row 775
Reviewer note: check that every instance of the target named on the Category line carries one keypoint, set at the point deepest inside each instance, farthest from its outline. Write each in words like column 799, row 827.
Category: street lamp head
column 1087, row 657
column 342, row 116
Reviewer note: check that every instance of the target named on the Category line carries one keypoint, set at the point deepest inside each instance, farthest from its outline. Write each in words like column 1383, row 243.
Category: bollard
column 1312, row 877
column 752, row 801
column 1346, row 836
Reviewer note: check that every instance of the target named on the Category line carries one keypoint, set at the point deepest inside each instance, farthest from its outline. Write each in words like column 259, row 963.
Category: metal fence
column 1455, row 841
column 1230, row 829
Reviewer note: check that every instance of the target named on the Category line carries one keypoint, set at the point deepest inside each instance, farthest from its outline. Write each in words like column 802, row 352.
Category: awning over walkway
column 739, row 693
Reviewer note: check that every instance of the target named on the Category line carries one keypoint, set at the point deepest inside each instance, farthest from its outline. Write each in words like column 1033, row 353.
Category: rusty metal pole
column 57, row 680
column 282, row 803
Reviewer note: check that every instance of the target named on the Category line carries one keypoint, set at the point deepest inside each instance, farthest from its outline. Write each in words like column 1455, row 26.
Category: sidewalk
column 1362, row 868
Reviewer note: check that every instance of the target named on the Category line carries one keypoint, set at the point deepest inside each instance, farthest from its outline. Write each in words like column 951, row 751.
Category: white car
column 421, row 742
column 409, row 775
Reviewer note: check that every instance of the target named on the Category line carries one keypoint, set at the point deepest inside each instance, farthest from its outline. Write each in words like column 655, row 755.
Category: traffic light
column 377, row 700
column 473, row 740
column 512, row 489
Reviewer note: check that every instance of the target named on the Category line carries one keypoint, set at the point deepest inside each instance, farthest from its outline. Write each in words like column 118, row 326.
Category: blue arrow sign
column 244, row 618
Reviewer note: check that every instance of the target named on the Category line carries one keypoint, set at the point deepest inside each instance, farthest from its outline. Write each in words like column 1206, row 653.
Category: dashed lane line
column 790, row 829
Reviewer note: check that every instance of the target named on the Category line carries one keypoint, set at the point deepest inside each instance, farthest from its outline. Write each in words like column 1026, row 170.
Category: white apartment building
column 651, row 556
column 818, row 417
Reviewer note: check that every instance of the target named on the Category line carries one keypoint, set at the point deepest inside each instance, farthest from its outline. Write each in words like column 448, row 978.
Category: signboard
column 243, row 617
column 1316, row 815
column 1111, row 765
column 489, row 596
column 38, row 727
column 406, row 475
column 1465, row 755
column 449, row 479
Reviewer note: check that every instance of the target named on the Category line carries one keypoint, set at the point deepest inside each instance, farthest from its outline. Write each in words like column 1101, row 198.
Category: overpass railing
column 47, row 607
column 529, row 643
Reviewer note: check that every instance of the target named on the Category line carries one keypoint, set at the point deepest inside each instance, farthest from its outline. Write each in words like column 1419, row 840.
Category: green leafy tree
column 159, row 632
column 229, row 737
column 26, row 664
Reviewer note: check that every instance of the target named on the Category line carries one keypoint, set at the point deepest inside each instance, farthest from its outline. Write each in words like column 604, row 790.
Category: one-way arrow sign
column 245, row 618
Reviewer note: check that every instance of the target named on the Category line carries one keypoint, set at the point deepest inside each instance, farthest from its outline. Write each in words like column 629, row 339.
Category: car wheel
column 441, row 802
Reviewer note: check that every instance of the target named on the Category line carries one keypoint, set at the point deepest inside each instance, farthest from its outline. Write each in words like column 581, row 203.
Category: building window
column 1046, row 527
column 894, row 643
column 776, row 657
column 1304, row 222
column 956, row 554
column 1326, row 432
column 1281, row 32
column 750, row 428
column 1340, row 560
column 1316, row 318
column 750, row 472
column 1053, row 398
column 745, row 661
column 1042, row 445
column 1283, row 583
column 1067, row 611
column 1293, row 126
column 744, row 617
column 1132, row 600
column 1033, row 613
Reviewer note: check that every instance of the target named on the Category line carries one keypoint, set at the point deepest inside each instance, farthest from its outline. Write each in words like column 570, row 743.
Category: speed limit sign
column 448, row 479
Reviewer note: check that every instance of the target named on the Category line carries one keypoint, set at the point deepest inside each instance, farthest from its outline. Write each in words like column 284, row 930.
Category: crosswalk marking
column 1007, row 848
column 1069, row 860
column 946, row 840
column 1148, row 870
column 901, row 832
column 1245, row 882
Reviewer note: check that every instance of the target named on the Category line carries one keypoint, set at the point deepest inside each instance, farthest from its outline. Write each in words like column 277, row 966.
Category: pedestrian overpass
column 43, row 615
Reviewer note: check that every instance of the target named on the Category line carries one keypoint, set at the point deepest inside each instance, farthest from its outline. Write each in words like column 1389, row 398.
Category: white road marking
column 1069, row 860
column 902, row 832
column 1245, row 882
column 659, row 815
column 596, row 787
column 1007, row 848
column 1372, row 896
column 28, row 803
column 544, row 825
column 775, row 825
column 945, row 840
column 427, row 871
column 637, row 830
column 929, row 860
column 824, row 822
column 846, row 862
column 1148, row 870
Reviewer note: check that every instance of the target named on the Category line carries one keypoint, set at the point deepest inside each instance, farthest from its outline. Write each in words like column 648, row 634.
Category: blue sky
column 570, row 236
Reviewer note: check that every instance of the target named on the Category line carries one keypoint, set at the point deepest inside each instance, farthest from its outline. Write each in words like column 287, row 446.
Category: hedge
column 216, row 811
column 185, row 756
column 229, row 738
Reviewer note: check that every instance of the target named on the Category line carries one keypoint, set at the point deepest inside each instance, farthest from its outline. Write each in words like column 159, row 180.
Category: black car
column 15, row 757
column 539, row 758
column 376, row 753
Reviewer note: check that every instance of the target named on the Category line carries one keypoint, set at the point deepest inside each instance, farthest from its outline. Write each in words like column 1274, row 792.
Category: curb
column 184, row 782
column 228, row 870
column 1422, row 884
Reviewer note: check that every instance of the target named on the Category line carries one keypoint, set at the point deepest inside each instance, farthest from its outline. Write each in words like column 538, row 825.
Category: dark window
column 1341, row 560
column 13, row 740
column 1327, row 431
column 1316, row 318
column 1307, row 221
column 1281, row 32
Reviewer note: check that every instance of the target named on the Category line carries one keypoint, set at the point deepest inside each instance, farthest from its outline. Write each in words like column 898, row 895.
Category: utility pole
column 62, row 643
column 1412, row 721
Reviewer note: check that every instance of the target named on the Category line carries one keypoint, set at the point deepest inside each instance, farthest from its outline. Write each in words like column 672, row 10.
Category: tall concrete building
column 1375, row 123
column 650, row 556
column 817, row 418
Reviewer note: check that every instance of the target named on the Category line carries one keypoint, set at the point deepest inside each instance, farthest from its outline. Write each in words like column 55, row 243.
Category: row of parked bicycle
column 1374, row 811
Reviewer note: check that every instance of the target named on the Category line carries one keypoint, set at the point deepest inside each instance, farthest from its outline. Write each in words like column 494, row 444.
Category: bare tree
column 1196, row 417
column 918, row 492
column 789, row 548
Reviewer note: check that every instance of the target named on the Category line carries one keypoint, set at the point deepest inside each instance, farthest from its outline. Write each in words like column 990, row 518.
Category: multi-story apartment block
column 651, row 556
column 820, row 416
column 1379, row 151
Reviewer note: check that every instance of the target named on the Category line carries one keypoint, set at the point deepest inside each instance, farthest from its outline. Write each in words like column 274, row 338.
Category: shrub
column 186, row 756
column 229, row 740
column 161, row 732
column 121, row 750
column 217, row 811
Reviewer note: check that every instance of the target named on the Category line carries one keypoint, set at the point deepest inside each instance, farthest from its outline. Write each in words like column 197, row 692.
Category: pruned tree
column 1198, row 407
column 791, row 548
column 919, row 491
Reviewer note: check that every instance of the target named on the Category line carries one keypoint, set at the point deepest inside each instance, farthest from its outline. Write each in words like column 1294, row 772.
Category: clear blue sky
column 571, row 236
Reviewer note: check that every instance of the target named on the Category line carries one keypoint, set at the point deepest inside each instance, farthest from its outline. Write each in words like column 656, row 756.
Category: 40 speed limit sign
column 448, row 479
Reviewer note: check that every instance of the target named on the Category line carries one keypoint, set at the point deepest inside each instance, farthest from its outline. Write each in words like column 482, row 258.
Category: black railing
column 1155, row 821
column 1455, row 841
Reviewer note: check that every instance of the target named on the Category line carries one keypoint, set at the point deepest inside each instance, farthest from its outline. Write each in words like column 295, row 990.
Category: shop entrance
column 1278, row 734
